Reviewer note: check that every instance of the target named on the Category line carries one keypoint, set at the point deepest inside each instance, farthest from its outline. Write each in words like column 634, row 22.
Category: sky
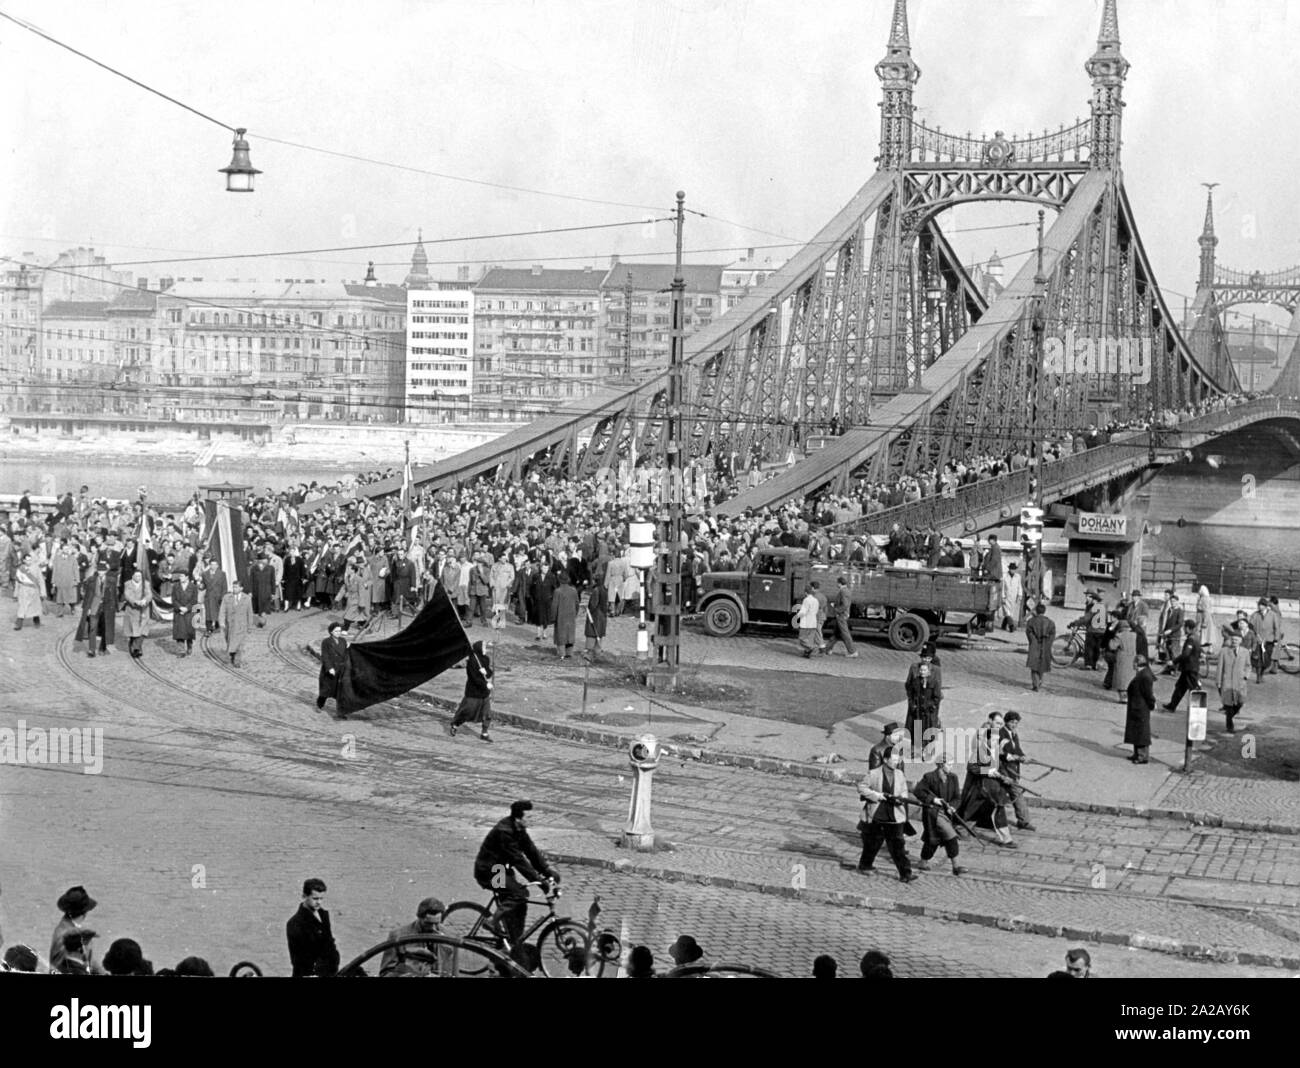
column 764, row 112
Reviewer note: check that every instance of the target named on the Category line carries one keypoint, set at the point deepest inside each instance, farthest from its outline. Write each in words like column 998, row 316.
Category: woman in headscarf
column 476, row 705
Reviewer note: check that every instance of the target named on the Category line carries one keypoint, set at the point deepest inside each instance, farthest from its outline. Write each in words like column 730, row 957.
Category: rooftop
column 569, row 280
column 700, row 277
column 76, row 309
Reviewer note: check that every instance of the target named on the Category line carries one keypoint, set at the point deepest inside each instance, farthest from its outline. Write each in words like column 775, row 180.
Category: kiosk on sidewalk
column 1103, row 552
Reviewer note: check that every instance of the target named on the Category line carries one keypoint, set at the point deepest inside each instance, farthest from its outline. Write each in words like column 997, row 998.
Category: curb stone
column 1017, row 924
column 769, row 765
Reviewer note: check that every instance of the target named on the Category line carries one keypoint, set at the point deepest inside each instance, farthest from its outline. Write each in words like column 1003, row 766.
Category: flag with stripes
column 406, row 485
column 223, row 536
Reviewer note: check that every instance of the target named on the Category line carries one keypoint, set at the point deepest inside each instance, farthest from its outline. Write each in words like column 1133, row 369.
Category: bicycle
column 1067, row 648
column 1286, row 655
column 560, row 940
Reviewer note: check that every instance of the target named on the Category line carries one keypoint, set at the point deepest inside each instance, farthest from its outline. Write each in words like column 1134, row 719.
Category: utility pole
column 1253, row 323
column 1039, row 327
column 668, row 610
column 627, row 326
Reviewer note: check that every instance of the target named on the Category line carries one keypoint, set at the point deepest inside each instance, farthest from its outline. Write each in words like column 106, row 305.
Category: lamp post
column 668, row 607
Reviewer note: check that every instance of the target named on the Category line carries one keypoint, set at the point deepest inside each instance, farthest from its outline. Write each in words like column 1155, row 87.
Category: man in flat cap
column 508, row 860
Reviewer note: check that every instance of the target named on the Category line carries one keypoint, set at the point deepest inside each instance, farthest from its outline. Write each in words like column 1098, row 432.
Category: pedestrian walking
column 215, row 587
column 97, row 626
column 30, row 581
column 333, row 664
column 311, row 940
column 842, row 608
column 1041, row 632
column 1012, row 757
column 236, row 620
column 597, row 620
column 1231, row 673
column 805, row 622
column 1205, row 625
column 1140, row 702
column 1169, row 630
column 262, row 588
column 1188, row 664
column 476, row 705
column 185, row 599
column 984, row 798
column 564, row 615
column 135, row 615
column 1123, row 648
column 1268, row 626
column 1013, row 597
column 65, row 576
column 924, row 693
column 884, row 815
column 939, row 794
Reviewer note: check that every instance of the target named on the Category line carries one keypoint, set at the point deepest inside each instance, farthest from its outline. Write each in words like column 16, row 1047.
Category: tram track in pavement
column 592, row 809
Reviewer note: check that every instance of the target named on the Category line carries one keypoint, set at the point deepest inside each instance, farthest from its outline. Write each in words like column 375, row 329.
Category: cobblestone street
column 233, row 770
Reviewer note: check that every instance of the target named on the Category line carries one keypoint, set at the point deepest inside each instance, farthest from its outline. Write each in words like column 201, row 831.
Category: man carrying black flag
column 379, row 671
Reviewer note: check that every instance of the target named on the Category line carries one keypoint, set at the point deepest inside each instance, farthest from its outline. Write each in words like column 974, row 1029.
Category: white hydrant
column 643, row 755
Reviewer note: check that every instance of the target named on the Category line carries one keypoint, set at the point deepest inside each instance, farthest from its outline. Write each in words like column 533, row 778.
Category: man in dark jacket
column 311, row 942
column 333, row 662
column 938, row 793
column 1188, row 663
column 507, row 860
column 1041, row 632
column 1141, row 702
column 262, row 586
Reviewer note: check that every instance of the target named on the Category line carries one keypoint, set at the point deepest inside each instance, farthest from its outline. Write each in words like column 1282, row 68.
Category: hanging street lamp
column 239, row 175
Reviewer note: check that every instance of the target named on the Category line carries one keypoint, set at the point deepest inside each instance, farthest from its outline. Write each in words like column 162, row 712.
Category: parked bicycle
column 562, row 945
column 1067, row 648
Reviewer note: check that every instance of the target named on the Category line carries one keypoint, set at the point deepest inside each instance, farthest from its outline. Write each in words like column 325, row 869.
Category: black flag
column 379, row 671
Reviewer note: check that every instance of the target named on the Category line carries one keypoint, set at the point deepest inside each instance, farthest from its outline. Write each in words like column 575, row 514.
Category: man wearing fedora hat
column 74, row 904
column 892, row 734
column 685, row 951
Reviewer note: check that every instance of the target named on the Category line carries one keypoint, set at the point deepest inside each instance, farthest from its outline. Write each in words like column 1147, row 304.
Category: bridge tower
column 1219, row 288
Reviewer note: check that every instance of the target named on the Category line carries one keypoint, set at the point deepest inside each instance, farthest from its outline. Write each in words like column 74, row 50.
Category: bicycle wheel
column 564, row 946
column 1286, row 655
column 1066, row 649
column 466, row 919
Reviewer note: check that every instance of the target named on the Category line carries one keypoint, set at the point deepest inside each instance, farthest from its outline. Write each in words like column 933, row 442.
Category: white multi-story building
column 439, row 355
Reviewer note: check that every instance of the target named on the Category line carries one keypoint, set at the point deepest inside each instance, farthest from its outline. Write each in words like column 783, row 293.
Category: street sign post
column 1197, row 712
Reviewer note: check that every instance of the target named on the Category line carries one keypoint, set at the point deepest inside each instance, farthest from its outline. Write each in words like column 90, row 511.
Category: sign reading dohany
column 1095, row 523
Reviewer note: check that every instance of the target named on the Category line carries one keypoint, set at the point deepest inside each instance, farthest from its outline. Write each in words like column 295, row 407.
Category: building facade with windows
column 741, row 278
column 644, row 291
column 21, row 333
column 300, row 348
column 438, row 385
column 537, row 339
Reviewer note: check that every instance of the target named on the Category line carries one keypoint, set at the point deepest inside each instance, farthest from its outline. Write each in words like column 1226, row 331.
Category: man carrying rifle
column 938, row 793
column 884, row 814
column 1012, row 758
column 984, row 798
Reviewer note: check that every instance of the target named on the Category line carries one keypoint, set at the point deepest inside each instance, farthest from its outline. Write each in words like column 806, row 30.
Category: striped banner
column 223, row 536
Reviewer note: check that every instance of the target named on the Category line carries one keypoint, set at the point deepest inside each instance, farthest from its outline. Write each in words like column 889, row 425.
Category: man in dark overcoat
column 97, row 626
column 1041, row 632
column 1141, row 702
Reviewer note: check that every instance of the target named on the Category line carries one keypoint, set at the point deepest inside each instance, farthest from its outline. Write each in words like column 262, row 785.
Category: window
column 1102, row 564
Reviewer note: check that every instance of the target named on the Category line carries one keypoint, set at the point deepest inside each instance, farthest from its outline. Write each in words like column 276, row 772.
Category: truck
column 910, row 604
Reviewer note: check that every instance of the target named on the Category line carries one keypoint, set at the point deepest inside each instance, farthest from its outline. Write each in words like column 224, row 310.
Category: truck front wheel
column 722, row 619
column 908, row 632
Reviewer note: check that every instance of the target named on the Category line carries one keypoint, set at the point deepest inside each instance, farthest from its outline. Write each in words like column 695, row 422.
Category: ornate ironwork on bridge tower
column 1220, row 288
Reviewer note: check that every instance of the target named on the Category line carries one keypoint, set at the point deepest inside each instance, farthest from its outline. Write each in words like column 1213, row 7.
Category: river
column 167, row 483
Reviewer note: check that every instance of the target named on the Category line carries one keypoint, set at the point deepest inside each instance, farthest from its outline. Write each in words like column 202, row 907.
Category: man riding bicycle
column 507, row 855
